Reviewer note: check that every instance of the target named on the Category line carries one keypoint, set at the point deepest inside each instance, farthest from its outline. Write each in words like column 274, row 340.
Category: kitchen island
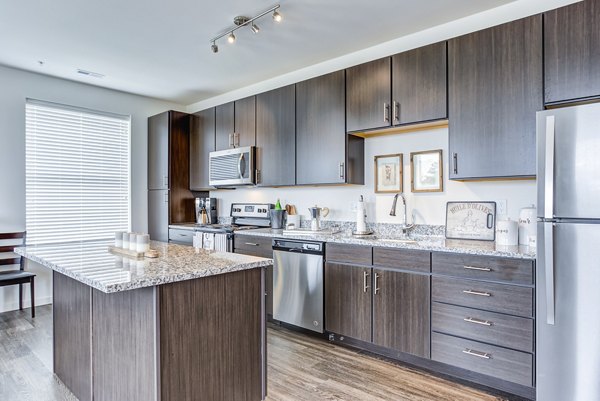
column 188, row 325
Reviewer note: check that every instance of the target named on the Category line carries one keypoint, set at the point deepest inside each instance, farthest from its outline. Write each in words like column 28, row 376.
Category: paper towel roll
column 507, row 232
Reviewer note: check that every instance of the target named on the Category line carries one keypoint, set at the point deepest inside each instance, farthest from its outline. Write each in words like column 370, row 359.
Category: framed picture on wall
column 426, row 174
column 388, row 173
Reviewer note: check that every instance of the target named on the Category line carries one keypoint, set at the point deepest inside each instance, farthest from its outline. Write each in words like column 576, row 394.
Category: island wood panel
column 123, row 345
column 211, row 338
column 72, row 335
column 347, row 300
column 401, row 315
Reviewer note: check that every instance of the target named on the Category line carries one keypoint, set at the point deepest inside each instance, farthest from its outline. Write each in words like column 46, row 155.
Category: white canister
column 125, row 242
column 507, row 232
column 132, row 241
column 143, row 243
column 527, row 224
column 119, row 239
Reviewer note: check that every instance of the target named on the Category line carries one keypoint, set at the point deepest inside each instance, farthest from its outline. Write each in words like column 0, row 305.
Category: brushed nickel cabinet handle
column 375, row 286
column 386, row 112
column 478, row 321
column 396, row 111
column 166, row 180
column 251, row 243
column 479, row 293
column 478, row 354
column 231, row 142
column 455, row 162
column 483, row 269
column 342, row 170
column 365, row 285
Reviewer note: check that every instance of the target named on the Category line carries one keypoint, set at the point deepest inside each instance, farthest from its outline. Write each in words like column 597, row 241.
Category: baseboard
column 10, row 306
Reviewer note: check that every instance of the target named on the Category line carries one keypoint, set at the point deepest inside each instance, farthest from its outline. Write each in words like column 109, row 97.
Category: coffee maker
column 206, row 211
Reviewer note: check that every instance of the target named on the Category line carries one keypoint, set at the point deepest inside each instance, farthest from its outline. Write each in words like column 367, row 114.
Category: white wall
column 15, row 87
column 429, row 207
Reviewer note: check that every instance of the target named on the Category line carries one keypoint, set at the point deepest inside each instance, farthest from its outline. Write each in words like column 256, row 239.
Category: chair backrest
column 8, row 249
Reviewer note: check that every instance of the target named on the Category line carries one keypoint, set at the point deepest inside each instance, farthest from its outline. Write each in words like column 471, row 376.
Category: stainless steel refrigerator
column 568, row 262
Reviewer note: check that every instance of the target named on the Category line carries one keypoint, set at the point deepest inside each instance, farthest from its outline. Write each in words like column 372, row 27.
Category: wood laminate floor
column 301, row 368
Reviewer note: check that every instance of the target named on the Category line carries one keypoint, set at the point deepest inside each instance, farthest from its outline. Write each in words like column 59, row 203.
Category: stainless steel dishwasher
column 298, row 283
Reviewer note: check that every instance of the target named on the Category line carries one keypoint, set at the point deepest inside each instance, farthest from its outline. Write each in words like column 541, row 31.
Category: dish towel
column 208, row 241
column 221, row 243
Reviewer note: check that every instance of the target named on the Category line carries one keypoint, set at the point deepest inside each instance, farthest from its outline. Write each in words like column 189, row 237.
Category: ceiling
column 161, row 48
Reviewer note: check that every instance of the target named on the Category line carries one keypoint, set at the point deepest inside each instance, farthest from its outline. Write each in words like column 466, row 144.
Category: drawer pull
column 478, row 321
column 479, row 293
column 478, row 354
column 365, row 285
column 251, row 243
column 481, row 269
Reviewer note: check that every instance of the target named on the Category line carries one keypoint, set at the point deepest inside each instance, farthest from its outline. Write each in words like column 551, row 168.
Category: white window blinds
column 77, row 173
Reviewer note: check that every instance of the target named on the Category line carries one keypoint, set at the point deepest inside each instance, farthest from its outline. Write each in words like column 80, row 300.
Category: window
column 77, row 173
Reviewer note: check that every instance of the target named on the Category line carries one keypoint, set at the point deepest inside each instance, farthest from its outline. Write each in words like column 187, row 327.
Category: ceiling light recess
column 242, row 21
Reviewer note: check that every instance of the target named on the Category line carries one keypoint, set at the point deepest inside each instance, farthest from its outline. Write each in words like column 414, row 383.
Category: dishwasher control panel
column 289, row 245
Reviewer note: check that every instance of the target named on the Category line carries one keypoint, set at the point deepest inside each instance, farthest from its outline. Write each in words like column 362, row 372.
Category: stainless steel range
column 244, row 216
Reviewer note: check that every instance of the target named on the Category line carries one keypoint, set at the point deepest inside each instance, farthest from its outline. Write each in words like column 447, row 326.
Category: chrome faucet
column 404, row 226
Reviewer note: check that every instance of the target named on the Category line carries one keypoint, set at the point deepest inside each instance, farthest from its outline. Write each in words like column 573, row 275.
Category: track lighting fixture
column 241, row 21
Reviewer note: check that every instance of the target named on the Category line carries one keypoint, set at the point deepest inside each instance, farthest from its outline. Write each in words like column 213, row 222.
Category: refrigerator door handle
column 549, row 169
column 549, row 271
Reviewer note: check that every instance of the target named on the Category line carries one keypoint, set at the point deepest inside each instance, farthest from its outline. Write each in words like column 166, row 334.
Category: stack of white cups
column 132, row 241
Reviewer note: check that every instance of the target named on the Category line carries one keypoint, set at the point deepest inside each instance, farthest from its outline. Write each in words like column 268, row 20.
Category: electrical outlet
column 501, row 208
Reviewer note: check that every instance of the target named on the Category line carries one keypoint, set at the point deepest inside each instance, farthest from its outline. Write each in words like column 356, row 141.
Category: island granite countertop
column 91, row 263
column 434, row 243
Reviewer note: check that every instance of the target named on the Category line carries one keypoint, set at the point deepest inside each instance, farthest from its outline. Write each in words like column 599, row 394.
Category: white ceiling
column 161, row 48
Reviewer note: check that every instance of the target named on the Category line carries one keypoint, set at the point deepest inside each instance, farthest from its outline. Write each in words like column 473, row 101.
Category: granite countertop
column 434, row 243
column 91, row 263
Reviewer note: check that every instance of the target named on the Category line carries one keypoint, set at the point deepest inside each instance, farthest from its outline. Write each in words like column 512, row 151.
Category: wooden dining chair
column 14, row 277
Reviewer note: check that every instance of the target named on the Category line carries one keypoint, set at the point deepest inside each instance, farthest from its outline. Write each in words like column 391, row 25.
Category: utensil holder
column 277, row 218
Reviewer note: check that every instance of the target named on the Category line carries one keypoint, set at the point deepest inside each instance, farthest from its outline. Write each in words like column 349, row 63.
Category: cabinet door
column 276, row 137
column 348, row 300
column 245, row 122
column 202, row 142
column 158, row 151
column 495, row 89
column 368, row 95
column 158, row 215
column 419, row 85
column 225, row 115
column 572, row 52
column 401, row 313
column 321, row 130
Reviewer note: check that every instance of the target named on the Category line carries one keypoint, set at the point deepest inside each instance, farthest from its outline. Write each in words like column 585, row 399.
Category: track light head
column 214, row 47
column 276, row 16
column 254, row 28
column 231, row 38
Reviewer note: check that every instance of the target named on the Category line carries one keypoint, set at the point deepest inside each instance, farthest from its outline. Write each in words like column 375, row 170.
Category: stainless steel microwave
column 231, row 167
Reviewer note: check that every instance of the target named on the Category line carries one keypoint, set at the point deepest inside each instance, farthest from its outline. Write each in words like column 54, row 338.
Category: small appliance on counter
column 206, row 211
column 315, row 214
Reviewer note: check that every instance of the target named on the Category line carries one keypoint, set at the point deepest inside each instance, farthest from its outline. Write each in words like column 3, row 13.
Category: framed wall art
column 426, row 171
column 388, row 173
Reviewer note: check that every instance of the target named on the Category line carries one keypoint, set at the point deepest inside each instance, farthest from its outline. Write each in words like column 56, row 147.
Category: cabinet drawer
column 494, row 328
column 404, row 259
column 362, row 255
column 181, row 236
column 501, row 298
column 516, row 271
column 502, row 363
column 255, row 246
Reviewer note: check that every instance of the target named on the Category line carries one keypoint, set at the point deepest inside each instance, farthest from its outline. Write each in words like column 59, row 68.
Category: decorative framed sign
column 426, row 174
column 388, row 173
column 471, row 220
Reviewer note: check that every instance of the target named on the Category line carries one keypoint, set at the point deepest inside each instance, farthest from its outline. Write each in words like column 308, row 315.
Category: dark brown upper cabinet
column 572, row 52
column 368, row 95
column 202, row 142
column 322, row 154
column 276, row 137
column 236, row 124
column 495, row 89
column 419, row 90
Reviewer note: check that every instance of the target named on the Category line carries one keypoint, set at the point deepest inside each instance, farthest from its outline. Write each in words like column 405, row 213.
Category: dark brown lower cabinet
column 401, row 311
column 348, row 300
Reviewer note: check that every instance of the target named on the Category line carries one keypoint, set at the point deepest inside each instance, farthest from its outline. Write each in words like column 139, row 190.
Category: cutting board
column 471, row 220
